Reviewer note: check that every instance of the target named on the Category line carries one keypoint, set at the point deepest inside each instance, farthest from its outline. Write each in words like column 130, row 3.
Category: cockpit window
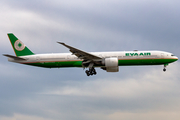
column 172, row 55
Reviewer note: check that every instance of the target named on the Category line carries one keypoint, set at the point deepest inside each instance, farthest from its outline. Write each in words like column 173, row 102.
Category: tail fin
column 19, row 48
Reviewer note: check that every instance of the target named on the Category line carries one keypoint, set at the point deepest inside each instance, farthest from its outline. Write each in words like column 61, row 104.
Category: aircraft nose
column 176, row 57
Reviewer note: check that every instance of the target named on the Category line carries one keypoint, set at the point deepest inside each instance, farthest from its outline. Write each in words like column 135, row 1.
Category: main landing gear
column 91, row 71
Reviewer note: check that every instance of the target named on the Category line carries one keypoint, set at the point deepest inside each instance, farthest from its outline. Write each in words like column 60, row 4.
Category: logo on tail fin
column 18, row 45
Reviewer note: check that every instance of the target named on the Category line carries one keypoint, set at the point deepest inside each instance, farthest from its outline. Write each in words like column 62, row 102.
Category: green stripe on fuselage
column 145, row 62
column 120, row 63
column 57, row 64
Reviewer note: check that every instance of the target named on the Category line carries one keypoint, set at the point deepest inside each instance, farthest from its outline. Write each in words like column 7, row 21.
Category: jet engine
column 111, row 65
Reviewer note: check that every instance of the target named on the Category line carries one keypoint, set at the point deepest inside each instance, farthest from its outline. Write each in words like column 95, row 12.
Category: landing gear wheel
column 87, row 73
column 165, row 65
column 94, row 71
column 91, row 71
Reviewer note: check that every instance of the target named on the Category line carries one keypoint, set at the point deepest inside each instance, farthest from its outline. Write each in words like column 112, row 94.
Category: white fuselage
column 120, row 55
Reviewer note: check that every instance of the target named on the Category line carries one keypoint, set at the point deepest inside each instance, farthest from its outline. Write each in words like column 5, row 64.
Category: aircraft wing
column 14, row 57
column 79, row 53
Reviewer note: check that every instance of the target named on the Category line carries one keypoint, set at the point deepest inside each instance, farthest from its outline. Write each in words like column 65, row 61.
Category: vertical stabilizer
column 19, row 48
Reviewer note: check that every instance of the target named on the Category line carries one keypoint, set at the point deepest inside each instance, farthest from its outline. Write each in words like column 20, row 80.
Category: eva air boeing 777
column 109, row 61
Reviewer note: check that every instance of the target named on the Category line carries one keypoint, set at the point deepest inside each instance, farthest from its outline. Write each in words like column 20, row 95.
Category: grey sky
column 136, row 93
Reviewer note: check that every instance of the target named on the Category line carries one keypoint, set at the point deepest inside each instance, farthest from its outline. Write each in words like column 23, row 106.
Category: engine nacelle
column 111, row 64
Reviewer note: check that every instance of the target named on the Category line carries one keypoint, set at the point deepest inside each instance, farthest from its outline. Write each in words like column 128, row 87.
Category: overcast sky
column 138, row 92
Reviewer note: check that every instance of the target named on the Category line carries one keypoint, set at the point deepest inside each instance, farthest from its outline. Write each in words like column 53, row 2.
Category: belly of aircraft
column 121, row 62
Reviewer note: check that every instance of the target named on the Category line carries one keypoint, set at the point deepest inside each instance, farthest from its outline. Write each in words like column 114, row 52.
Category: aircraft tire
column 87, row 73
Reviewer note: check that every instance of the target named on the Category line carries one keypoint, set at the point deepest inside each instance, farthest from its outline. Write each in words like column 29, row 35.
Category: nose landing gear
column 164, row 69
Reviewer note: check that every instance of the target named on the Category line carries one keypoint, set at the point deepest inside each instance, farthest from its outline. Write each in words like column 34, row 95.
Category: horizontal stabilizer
column 14, row 57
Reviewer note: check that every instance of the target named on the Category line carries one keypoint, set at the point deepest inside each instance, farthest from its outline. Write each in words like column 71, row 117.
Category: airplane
column 108, row 61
